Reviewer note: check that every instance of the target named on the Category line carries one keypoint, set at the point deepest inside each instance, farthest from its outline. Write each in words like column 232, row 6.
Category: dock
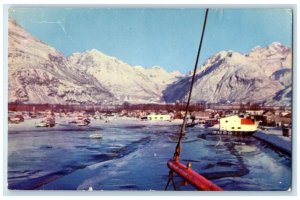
column 236, row 133
column 275, row 139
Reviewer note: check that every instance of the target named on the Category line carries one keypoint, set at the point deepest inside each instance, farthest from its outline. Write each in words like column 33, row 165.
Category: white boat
column 48, row 121
column 41, row 124
column 81, row 121
column 96, row 136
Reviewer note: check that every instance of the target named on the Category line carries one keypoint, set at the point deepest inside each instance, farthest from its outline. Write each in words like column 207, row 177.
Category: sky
column 166, row 37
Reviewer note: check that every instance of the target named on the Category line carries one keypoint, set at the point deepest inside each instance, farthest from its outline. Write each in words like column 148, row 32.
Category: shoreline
column 276, row 140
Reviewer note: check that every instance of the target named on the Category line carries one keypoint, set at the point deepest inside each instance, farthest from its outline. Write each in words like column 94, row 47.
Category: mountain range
column 264, row 76
column 38, row 73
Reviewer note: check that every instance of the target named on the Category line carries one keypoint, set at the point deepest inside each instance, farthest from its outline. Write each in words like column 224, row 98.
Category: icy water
column 134, row 157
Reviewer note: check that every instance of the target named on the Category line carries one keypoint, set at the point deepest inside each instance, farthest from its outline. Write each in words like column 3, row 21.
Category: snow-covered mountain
column 261, row 76
column 127, row 83
column 40, row 74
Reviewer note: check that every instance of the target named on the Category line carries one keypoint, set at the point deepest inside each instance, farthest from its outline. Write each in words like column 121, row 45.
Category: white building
column 255, row 112
column 237, row 124
column 155, row 117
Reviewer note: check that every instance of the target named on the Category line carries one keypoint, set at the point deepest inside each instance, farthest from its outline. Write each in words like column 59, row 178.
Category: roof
column 247, row 121
column 268, row 112
column 232, row 116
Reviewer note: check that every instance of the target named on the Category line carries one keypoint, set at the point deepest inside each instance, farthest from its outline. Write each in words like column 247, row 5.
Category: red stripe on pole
column 192, row 177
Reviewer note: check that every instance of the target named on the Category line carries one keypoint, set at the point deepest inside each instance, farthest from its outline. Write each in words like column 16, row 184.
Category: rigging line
column 182, row 130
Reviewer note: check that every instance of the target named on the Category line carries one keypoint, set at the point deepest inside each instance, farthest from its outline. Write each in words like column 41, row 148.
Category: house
column 269, row 118
column 286, row 114
column 158, row 117
column 236, row 124
column 209, row 110
column 283, row 120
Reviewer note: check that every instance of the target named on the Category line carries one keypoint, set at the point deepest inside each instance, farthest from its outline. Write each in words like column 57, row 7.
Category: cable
column 182, row 130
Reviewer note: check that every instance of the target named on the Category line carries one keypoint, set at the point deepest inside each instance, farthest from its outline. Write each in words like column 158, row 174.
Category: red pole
column 192, row 177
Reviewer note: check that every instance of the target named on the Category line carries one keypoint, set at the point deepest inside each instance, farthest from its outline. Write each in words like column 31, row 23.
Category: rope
column 182, row 130
column 171, row 179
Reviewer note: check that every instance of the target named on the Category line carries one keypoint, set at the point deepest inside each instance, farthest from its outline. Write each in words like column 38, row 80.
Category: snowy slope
column 261, row 76
column 40, row 74
column 127, row 83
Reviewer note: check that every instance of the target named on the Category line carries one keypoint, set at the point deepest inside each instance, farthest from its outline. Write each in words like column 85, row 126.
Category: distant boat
column 96, row 136
column 16, row 119
column 49, row 121
column 40, row 124
column 46, row 123
column 81, row 121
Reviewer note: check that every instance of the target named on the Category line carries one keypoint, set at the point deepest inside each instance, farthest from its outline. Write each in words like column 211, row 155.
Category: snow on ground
column 29, row 124
column 274, row 137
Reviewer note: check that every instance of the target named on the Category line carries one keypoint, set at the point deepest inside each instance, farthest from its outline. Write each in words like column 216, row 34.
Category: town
column 206, row 115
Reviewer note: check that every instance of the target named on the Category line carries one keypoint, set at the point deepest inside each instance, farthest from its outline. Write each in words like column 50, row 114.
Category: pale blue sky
column 147, row 37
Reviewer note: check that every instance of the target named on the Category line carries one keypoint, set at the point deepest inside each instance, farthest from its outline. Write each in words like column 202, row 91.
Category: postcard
column 139, row 99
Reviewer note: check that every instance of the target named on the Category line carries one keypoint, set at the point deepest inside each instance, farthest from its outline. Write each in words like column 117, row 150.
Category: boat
column 46, row 123
column 81, row 120
column 49, row 121
column 40, row 124
column 96, row 136
column 16, row 119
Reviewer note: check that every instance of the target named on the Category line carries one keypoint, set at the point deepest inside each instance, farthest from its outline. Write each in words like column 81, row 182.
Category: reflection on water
column 133, row 157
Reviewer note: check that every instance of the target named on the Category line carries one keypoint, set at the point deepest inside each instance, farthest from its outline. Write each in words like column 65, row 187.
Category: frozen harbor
column 132, row 155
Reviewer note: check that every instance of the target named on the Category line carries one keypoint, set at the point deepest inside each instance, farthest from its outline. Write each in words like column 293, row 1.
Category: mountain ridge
column 233, row 77
column 39, row 73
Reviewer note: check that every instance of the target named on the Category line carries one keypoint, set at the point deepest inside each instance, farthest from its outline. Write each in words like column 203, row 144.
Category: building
column 158, row 117
column 269, row 118
column 236, row 124
column 283, row 120
column 201, row 115
column 254, row 112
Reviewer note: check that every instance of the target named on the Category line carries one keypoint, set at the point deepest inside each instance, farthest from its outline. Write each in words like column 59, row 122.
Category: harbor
column 132, row 155
column 129, row 107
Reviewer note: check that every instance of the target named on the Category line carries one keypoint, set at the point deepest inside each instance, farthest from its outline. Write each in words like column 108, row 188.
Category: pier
column 235, row 133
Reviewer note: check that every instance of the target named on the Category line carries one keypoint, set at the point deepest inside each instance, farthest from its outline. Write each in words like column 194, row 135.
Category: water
column 134, row 156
